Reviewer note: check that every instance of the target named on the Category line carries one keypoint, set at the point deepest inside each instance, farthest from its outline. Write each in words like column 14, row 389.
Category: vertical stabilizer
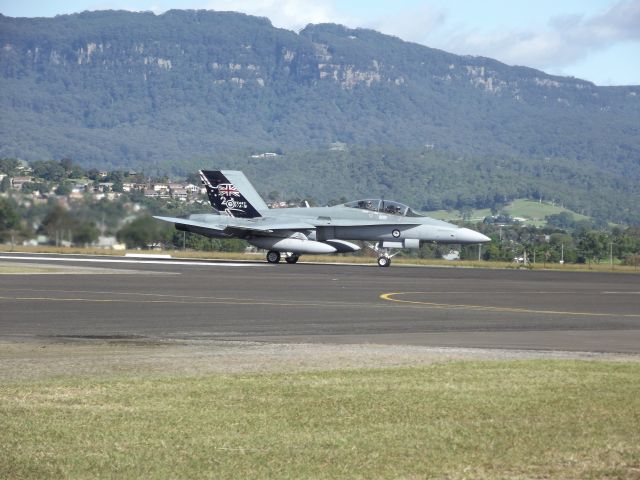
column 230, row 192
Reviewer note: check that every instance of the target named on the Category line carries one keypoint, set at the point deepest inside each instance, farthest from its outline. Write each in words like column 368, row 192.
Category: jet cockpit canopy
column 383, row 206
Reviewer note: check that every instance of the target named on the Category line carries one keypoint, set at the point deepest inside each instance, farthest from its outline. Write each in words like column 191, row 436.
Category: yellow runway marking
column 391, row 298
column 191, row 298
column 194, row 301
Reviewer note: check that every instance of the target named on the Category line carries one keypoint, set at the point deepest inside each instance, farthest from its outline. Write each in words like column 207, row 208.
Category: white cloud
column 290, row 14
column 566, row 40
column 412, row 24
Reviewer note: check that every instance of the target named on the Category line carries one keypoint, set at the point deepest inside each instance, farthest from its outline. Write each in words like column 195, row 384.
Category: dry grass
column 340, row 258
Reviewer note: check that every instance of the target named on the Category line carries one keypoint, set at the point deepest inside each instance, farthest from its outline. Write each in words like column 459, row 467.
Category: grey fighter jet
column 240, row 212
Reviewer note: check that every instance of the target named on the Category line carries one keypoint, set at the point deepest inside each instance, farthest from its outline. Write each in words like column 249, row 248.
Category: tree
column 49, row 170
column 85, row 233
column 117, row 186
column 67, row 164
column 193, row 178
column 9, row 165
column 31, row 187
column 94, row 174
column 9, row 220
column 63, row 189
column 76, row 172
column 593, row 246
column 144, row 232
column 562, row 220
column 273, row 195
column 465, row 213
column 5, row 185
column 58, row 224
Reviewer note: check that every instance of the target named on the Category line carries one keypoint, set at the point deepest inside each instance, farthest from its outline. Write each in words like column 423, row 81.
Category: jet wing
column 233, row 226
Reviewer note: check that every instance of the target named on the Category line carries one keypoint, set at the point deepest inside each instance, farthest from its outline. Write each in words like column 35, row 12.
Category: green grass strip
column 506, row 419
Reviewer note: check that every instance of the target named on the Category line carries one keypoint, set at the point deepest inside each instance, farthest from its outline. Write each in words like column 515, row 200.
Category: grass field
column 537, row 210
column 475, row 419
column 534, row 212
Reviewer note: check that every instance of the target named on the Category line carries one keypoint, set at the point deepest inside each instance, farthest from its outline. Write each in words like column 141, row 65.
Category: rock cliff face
column 120, row 88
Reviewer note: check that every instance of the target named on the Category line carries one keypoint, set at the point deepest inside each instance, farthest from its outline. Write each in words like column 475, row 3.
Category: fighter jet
column 240, row 212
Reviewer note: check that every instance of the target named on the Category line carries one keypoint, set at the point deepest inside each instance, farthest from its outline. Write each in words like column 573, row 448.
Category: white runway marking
column 123, row 260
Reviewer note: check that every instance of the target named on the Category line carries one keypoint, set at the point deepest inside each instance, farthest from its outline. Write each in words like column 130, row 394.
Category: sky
column 596, row 40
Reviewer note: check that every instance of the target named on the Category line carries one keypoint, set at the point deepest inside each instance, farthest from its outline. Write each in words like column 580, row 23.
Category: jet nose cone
column 466, row 235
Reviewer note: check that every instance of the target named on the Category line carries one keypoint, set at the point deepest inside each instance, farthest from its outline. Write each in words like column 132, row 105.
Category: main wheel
column 384, row 261
column 291, row 258
column 273, row 256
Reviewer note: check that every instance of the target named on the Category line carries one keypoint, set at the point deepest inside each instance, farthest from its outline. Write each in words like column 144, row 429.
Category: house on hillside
column 104, row 187
column 17, row 182
column 192, row 189
column 131, row 187
column 180, row 194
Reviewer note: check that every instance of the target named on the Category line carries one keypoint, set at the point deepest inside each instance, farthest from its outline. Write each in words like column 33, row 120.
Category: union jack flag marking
column 227, row 190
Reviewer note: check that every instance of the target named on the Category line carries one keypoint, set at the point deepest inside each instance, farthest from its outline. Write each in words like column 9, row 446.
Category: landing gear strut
column 273, row 256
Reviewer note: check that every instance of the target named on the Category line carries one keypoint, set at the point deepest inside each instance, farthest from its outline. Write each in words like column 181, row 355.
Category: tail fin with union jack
column 231, row 193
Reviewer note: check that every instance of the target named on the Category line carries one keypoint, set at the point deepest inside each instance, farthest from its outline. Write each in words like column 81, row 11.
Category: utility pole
column 611, row 254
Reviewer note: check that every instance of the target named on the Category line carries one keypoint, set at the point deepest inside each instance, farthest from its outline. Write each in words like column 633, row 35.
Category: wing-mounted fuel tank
column 290, row 244
column 300, row 243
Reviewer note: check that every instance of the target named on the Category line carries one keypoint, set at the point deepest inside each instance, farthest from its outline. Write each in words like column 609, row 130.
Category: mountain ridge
column 222, row 49
column 118, row 89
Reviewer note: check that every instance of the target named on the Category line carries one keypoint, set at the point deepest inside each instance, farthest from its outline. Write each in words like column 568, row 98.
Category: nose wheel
column 384, row 261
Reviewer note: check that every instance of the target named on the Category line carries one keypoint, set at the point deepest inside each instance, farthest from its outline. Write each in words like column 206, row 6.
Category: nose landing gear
column 384, row 254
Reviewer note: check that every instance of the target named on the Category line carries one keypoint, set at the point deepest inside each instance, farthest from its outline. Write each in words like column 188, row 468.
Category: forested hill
column 121, row 89
column 117, row 87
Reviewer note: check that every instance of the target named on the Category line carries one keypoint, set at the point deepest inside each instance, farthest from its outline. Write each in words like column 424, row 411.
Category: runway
column 508, row 309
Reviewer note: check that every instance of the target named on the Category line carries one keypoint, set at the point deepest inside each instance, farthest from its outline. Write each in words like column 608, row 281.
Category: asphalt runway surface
column 255, row 301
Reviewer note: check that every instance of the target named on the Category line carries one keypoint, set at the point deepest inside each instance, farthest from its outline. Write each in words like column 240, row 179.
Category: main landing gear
column 274, row 257
column 291, row 258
